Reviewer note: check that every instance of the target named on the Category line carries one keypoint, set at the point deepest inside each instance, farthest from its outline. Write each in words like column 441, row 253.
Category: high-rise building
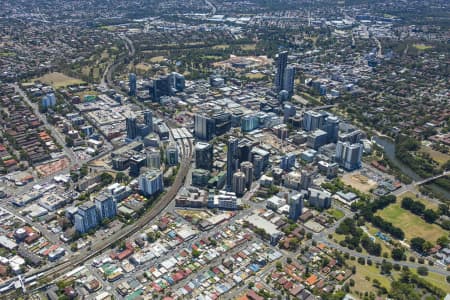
column 296, row 206
column 222, row 123
column 289, row 110
column 148, row 119
column 287, row 161
column 132, row 84
column 281, row 62
column 204, row 156
column 106, row 206
column 349, row 155
column 247, row 169
column 244, row 150
column 288, row 80
column 239, row 181
column 200, row 177
column 167, row 85
column 249, row 122
column 86, row 218
column 151, row 182
column 332, row 128
column 313, row 120
column 232, row 160
column 317, row 139
column 319, row 199
column 172, row 154
column 132, row 128
column 305, row 180
column 136, row 163
column 154, row 159
column 204, row 127
column 48, row 100
column 258, row 164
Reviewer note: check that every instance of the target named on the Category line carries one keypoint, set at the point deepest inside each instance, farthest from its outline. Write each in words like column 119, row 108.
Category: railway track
column 81, row 257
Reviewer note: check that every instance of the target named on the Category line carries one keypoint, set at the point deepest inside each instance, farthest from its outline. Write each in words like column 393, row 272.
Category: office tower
column 222, row 123
column 148, row 119
column 204, row 127
column 151, row 182
column 289, row 110
column 313, row 120
column 349, row 155
column 172, row 154
column 288, row 81
column 132, row 128
column 317, row 139
column 281, row 68
column 132, row 84
column 296, row 206
column 249, row 122
column 283, row 96
column 178, row 81
column 232, row 160
column 319, row 199
column 305, row 180
column 239, row 183
column 106, row 206
column 332, row 129
column 136, row 163
column 204, row 156
column 287, row 161
column 247, row 169
column 244, row 150
column 200, row 177
column 154, row 159
column 86, row 218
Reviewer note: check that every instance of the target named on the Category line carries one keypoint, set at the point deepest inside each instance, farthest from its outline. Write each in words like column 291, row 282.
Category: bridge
column 409, row 187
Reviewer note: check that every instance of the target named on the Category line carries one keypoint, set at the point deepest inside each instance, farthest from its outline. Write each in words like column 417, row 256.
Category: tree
column 443, row 241
column 196, row 253
column 417, row 244
column 121, row 177
column 106, row 178
column 386, row 267
column 423, row 271
column 398, row 254
column 430, row 215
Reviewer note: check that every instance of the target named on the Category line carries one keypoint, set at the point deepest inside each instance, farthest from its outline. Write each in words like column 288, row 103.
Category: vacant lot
column 412, row 225
column 254, row 75
column 359, row 182
column 221, row 47
column 58, row 80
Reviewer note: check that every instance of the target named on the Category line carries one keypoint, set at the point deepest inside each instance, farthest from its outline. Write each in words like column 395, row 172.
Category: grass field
column 439, row 157
column 58, row 80
column 157, row 59
column 425, row 202
column 221, row 47
column 248, row 47
column 7, row 54
column 412, row 225
column 338, row 214
column 422, row 47
column 436, row 280
column 368, row 272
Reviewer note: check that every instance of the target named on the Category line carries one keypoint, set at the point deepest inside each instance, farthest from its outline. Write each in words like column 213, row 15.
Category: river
column 389, row 149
